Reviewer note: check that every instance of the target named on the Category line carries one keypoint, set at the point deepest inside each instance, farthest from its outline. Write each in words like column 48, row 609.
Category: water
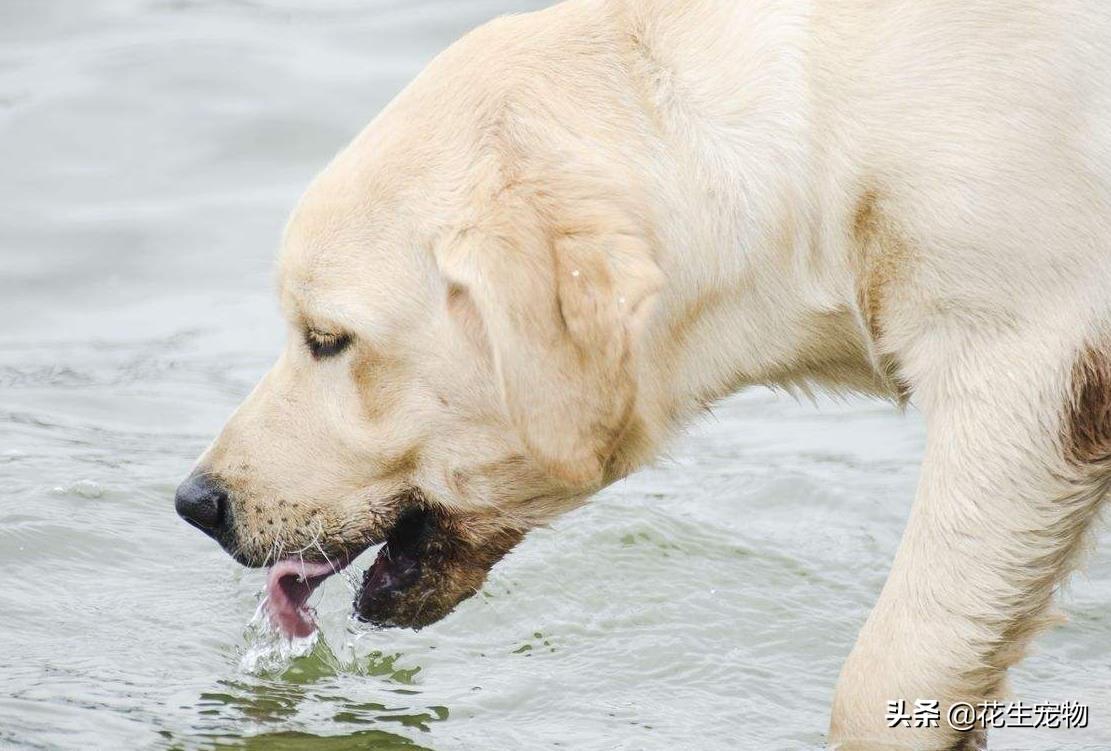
column 150, row 152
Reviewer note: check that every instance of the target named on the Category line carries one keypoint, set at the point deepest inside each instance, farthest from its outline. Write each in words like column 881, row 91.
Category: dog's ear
column 563, row 296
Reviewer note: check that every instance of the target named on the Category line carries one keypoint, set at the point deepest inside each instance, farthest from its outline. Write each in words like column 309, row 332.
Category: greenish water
column 150, row 152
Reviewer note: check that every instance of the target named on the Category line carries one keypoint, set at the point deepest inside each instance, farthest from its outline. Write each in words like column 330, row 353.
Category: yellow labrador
column 579, row 228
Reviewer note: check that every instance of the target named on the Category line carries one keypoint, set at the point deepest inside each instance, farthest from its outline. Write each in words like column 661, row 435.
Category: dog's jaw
column 432, row 561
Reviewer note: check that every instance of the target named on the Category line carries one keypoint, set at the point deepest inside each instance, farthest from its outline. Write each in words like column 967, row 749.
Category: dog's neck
column 760, row 284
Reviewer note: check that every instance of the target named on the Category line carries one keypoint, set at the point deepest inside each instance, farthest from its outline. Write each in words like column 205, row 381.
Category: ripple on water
column 705, row 603
column 81, row 488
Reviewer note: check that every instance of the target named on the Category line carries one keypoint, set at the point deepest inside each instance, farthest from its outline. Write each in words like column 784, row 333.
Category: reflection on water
column 270, row 702
column 279, row 676
column 361, row 740
column 151, row 151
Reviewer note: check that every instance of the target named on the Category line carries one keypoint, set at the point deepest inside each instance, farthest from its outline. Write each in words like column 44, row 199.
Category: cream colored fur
column 578, row 228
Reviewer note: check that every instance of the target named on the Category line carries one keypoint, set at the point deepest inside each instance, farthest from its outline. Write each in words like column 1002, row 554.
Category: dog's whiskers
column 423, row 603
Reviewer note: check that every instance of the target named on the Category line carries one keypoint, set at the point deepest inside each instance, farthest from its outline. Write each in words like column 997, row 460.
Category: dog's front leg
column 1015, row 467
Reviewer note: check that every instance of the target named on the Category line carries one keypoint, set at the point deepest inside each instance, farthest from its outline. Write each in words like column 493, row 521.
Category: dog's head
column 464, row 288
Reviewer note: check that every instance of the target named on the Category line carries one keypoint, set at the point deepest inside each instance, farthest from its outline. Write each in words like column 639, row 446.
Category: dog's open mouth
column 289, row 584
column 430, row 562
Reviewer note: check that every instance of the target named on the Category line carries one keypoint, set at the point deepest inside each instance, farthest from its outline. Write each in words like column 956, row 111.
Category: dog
column 579, row 228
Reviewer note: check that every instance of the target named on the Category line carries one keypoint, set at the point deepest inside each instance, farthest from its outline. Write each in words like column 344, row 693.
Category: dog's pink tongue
column 288, row 587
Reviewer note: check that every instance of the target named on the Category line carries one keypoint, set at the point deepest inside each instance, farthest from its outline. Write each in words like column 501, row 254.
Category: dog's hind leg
column 1017, row 462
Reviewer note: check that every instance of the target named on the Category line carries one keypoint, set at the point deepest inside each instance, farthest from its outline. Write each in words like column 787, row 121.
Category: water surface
column 151, row 150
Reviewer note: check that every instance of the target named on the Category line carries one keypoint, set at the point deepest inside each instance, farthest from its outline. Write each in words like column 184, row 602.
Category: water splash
column 267, row 651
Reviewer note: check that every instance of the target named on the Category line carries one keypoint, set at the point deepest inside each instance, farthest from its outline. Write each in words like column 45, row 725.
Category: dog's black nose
column 202, row 501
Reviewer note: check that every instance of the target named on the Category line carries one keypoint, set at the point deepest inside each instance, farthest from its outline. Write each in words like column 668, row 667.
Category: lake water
column 149, row 152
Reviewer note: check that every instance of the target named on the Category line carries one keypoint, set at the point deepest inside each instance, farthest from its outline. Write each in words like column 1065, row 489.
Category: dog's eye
column 325, row 344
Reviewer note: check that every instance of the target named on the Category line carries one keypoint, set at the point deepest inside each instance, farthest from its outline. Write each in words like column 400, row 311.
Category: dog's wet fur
column 432, row 560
